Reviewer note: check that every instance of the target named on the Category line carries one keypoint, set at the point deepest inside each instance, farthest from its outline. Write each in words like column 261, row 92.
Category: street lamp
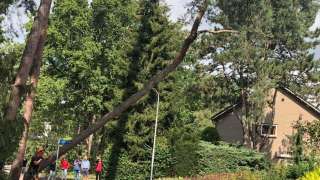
column 155, row 133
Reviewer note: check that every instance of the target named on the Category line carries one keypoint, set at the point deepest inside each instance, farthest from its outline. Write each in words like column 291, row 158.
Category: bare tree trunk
column 138, row 95
column 90, row 139
column 29, row 101
column 17, row 163
column 247, row 140
column 39, row 25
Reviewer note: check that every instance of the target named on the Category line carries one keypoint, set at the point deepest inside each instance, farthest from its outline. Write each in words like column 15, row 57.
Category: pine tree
column 268, row 48
column 155, row 44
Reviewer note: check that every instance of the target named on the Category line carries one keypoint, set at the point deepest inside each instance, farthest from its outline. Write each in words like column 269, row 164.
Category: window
column 269, row 130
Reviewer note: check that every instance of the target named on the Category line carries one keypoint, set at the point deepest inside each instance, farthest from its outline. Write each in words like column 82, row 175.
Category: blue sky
column 17, row 18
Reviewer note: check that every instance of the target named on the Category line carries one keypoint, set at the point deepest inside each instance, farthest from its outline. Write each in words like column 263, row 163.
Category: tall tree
column 139, row 94
column 31, row 62
column 268, row 49
column 10, row 125
column 156, row 43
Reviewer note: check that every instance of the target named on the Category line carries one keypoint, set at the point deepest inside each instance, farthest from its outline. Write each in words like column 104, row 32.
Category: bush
column 210, row 134
column 227, row 158
column 297, row 170
column 184, row 144
column 313, row 175
column 277, row 172
column 293, row 171
column 210, row 159
column 127, row 169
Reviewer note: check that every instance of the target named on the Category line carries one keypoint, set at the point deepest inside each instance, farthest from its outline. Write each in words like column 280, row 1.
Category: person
column 24, row 168
column 64, row 165
column 99, row 167
column 35, row 161
column 76, row 168
column 52, row 168
column 85, row 167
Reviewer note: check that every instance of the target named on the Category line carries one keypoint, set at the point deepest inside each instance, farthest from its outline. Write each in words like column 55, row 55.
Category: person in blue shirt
column 76, row 168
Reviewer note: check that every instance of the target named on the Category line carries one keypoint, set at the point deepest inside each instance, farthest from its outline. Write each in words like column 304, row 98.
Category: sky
column 17, row 18
column 177, row 8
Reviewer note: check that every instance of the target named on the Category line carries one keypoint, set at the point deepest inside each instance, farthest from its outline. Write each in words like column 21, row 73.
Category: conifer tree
column 268, row 50
column 156, row 42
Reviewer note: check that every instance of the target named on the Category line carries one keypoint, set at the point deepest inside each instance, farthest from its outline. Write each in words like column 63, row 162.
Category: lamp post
column 155, row 133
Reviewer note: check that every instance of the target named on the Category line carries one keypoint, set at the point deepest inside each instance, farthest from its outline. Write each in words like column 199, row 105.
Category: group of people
column 81, row 167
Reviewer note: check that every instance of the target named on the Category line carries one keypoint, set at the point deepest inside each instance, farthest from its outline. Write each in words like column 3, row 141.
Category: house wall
column 230, row 128
column 283, row 111
column 287, row 111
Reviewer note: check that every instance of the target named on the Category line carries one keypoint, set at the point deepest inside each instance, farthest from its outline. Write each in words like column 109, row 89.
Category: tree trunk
column 17, row 163
column 29, row 101
column 40, row 24
column 246, row 124
column 138, row 95
column 90, row 139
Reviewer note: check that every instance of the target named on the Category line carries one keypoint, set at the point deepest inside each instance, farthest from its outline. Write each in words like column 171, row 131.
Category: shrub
column 297, row 170
column 210, row 134
column 127, row 169
column 227, row 158
column 276, row 172
column 210, row 159
column 313, row 175
column 184, row 144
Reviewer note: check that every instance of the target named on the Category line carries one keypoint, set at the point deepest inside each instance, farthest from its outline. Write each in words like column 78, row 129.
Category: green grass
column 70, row 175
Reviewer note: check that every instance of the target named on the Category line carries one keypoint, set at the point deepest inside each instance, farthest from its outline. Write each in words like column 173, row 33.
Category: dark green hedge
column 210, row 159
column 227, row 158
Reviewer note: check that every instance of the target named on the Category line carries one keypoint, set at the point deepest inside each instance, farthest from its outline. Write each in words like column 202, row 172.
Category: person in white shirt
column 85, row 167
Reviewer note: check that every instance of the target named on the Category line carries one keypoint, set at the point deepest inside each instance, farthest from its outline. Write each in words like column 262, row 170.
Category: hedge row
column 210, row 159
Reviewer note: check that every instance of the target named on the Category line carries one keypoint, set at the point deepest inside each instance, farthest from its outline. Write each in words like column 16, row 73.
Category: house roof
column 287, row 91
column 225, row 111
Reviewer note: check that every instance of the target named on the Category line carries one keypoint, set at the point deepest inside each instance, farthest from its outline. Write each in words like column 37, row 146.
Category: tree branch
column 218, row 31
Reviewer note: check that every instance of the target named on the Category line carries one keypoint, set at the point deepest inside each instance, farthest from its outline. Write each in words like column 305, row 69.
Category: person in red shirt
column 64, row 165
column 99, row 167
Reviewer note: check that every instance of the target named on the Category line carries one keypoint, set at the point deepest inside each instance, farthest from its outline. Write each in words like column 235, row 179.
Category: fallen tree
column 138, row 95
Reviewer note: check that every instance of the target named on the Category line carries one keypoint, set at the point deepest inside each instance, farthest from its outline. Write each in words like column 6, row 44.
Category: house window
column 269, row 130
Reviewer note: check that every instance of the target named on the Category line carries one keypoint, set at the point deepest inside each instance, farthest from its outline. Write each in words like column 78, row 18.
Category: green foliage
column 9, row 55
column 276, row 172
column 184, row 141
column 210, row 134
column 298, row 144
column 312, row 175
column 298, row 170
column 289, row 171
column 312, row 130
column 97, row 55
column 226, row 158
column 128, row 169
column 269, row 48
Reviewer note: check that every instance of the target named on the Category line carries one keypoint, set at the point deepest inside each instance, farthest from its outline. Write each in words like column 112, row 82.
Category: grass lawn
column 70, row 176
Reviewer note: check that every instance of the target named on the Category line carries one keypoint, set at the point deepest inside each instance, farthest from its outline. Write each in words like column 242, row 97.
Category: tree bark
column 39, row 25
column 90, row 139
column 29, row 101
column 138, row 95
column 17, row 163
